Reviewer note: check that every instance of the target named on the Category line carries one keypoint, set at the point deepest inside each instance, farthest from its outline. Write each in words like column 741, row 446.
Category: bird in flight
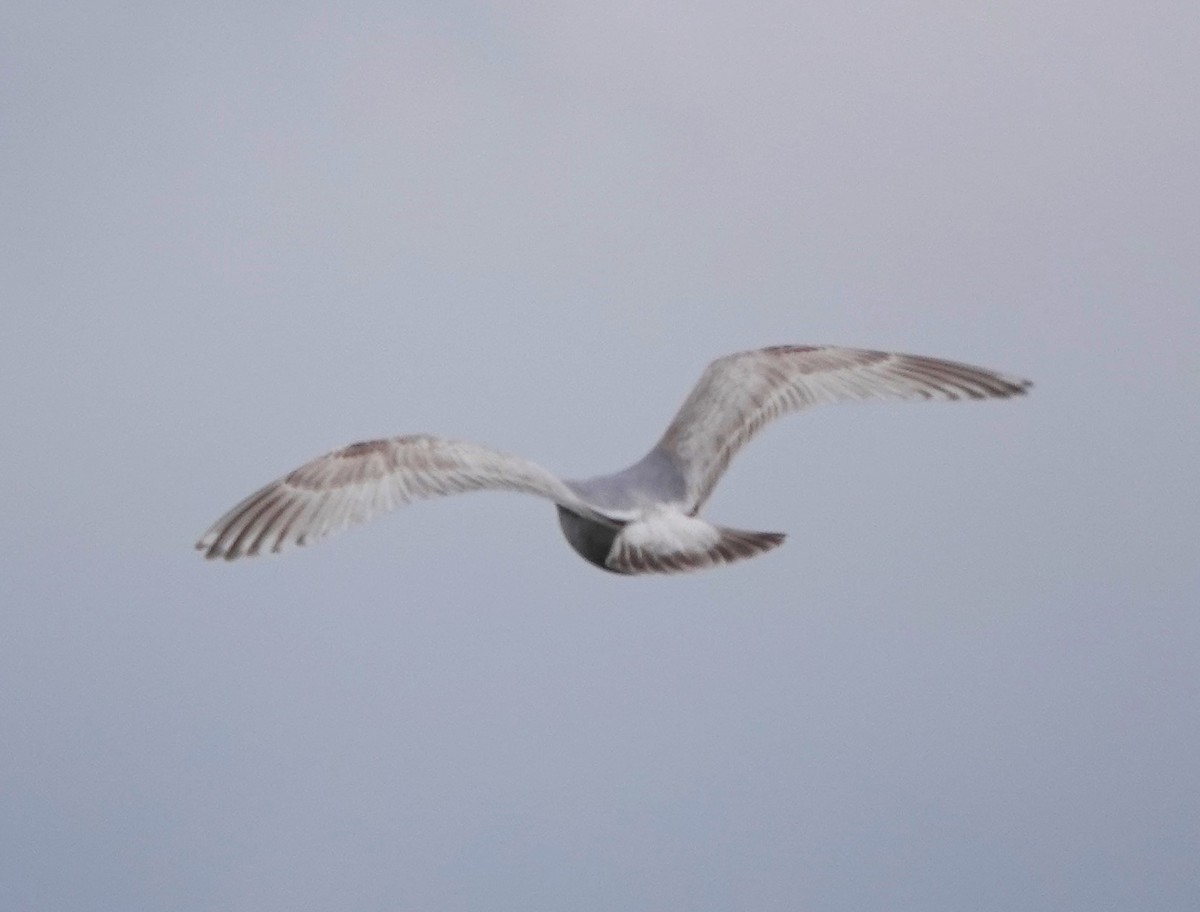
column 642, row 519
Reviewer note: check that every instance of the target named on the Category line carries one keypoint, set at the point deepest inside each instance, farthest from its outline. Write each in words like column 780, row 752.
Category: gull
column 642, row 519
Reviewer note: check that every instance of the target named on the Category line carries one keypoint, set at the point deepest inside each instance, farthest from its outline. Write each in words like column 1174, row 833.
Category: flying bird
column 642, row 519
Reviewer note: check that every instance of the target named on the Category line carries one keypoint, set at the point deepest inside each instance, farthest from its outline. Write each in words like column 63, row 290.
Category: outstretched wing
column 361, row 481
column 740, row 393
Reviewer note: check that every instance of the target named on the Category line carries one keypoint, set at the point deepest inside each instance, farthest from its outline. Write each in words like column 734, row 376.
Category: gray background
column 238, row 235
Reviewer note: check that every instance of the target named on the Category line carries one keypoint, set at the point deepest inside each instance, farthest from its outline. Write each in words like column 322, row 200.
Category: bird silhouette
column 642, row 519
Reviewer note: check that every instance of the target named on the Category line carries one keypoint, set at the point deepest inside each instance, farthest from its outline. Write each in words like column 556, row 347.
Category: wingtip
column 210, row 553
column 1016, row 386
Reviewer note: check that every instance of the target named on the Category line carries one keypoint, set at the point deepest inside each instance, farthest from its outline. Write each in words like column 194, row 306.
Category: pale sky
column 239, row 235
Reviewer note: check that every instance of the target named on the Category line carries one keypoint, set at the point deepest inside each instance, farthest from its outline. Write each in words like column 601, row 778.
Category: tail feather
column 678, row 543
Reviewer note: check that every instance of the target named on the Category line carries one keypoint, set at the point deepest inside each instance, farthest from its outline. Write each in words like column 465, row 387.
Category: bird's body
column 642, row 519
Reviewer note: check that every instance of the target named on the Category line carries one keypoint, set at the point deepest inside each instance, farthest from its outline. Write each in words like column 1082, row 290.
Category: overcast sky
column 237, row 235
